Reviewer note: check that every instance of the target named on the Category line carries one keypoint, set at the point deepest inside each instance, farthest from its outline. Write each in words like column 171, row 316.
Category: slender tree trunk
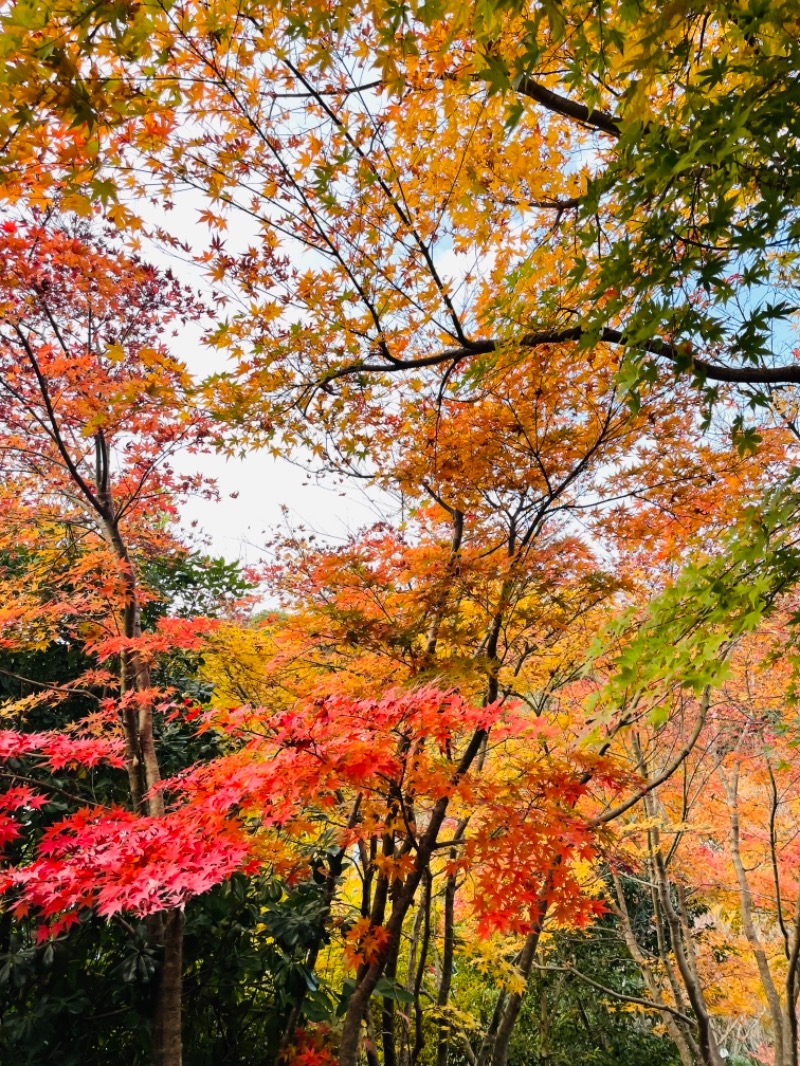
column 134, row 764
column 682, row 950
column 546, row 1020
column 388, row 1034
column 486, row 1049
column 372, row 1046
column 368, row 979
column 687, row 1048
column 790, row 1027
column 425, row 909
column 410, row 979
column 144, row 775
column 731, row 787
column 448, row 947
column 514, row 1000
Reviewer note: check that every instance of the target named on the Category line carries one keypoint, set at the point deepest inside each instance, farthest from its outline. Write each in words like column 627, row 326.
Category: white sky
column 253, row 493
column 259, row 494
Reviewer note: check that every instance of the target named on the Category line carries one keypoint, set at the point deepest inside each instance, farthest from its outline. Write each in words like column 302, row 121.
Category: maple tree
column 390, row 777
column 491, row 252
column 678, row 109
column 145, row 875
column 492, row 591
column 93, row 408
column 715, row 846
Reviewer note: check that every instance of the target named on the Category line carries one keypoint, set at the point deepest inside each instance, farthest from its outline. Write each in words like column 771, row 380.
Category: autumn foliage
column 508, row 775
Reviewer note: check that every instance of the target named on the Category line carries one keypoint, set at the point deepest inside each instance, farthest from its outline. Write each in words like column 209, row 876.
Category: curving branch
column 562, row 105
column 666, row 773
column 55, row 429
column 788, row 374
column 648, row 1004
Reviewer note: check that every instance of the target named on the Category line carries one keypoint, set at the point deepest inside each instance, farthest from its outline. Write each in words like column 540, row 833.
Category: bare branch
column 648, row 1003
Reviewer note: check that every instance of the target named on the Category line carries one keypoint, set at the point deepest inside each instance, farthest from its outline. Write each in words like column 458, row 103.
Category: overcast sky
column 254, row 492
column 255, row 489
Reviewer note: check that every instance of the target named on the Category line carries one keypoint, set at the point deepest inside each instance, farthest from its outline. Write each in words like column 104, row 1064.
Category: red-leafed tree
column 93, row 407
column 393, row 779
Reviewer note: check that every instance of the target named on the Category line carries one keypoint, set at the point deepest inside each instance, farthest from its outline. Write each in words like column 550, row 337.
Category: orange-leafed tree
column 384, row 135
column 497, row 585
column 716, row 845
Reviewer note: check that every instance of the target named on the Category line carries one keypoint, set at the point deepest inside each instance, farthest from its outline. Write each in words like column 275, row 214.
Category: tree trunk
column 425, row 910
column 167, row 1037
column 388, row 1033
column 684, row 1042
column 359, row 1001
column 144, row 775
column 514, row 1001
column 682, row 949
column 731, row 787
column 443, row 996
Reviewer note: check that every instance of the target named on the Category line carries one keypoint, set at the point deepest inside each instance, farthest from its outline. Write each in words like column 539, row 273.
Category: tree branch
column 562, row 105
column 44, row 391
column 756, row 375
column 648, row 1003
column 666, row 773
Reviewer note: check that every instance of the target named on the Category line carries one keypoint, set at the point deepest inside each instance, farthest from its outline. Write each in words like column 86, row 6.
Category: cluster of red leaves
column 106, row 859
column 305, row 756
column 529, row 837
column 526, row 832
column 309, row 1049
column 12, row 800
column 400, row 754
column 170, row 635
column 114, row 860
column 517, row 864
column 58, row 751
